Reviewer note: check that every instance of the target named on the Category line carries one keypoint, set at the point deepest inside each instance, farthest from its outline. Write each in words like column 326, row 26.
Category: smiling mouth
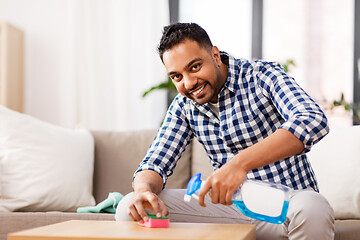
column 195, row 93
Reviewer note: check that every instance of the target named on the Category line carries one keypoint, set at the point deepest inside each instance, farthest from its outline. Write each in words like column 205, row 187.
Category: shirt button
column 234, row 151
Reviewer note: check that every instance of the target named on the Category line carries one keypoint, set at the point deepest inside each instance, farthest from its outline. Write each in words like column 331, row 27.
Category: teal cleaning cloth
column 107, row 206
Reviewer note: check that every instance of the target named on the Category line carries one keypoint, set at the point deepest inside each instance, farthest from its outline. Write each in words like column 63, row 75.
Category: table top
column 112, row 230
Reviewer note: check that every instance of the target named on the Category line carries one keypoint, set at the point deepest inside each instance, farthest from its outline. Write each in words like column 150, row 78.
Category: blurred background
column 89, row 62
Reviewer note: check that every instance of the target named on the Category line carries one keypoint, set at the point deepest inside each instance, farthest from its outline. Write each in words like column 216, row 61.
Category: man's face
column 195, row 71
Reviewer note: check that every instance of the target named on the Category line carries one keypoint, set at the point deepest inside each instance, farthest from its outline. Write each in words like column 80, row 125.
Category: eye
column 175, row 77
column 195, row 67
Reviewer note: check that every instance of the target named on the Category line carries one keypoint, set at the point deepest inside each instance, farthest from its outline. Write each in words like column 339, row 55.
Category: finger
column 154, row 202
column 203, row 190
column 133, row 213
column 222, row 197
column 229, row 196
column 215, row 194
column 163, row 209
column 141, row 211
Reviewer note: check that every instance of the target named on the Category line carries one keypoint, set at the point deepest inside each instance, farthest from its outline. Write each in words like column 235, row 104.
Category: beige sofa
column 117, row 155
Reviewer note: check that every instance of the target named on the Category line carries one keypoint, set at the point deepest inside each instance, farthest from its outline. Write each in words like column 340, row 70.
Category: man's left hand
column 222, row 183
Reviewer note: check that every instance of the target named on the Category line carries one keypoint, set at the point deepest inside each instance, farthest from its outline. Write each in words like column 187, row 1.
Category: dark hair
column 176, row 33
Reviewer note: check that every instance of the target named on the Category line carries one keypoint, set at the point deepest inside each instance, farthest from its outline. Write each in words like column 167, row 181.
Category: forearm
column 148, row 180
column 279, row 145
column 224, row 181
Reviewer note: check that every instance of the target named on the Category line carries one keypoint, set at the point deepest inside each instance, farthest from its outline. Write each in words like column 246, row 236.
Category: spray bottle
column 260, row 200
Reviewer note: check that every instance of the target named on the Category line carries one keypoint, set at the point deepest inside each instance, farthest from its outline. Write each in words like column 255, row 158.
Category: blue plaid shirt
column 257, row 99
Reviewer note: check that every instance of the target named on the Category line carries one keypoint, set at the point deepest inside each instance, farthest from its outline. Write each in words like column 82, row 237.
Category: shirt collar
column 233, row 73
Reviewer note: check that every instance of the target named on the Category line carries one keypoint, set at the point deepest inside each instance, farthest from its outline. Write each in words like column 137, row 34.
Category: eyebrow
column 188, row 65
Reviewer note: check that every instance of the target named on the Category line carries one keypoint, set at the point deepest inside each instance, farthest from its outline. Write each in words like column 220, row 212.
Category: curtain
column 108, row 59
column 89, row 61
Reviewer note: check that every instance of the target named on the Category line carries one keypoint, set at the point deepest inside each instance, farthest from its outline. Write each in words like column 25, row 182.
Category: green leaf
column 337, row 103
column 347, row 107
column 169, row 85
column 342, row 98
column 287, row 64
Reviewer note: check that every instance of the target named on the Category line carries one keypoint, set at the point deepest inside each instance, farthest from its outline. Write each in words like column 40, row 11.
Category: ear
column 216, row 55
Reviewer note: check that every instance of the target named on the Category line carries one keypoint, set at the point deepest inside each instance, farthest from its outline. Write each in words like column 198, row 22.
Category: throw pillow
column 336, row 162
column 43, row 167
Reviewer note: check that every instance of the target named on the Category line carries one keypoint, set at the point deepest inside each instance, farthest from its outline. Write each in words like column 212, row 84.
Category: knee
column 310, row 204
column 311, row 213
column 122, row 210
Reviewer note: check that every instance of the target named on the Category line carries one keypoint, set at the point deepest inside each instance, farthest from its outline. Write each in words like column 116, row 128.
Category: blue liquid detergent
column 277, row 220
column 252, row 190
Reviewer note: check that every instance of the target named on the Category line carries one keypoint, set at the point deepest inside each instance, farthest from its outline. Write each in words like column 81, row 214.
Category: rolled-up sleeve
column 303, row 117
column 170, row 142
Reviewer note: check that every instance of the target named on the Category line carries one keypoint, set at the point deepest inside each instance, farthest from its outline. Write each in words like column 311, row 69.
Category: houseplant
column 351, row 108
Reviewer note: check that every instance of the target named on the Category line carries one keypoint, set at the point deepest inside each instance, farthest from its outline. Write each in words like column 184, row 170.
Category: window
column 318, row 36
column 227, row 22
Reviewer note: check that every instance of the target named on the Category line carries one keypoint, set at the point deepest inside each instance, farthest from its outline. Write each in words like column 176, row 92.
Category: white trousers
column 309, row 216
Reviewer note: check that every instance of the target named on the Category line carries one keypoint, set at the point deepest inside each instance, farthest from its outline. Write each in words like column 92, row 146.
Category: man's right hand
column 147, row 184
column 146, row 200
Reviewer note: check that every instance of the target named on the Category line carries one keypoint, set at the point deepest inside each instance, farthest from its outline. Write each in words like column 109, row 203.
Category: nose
column 190, row 82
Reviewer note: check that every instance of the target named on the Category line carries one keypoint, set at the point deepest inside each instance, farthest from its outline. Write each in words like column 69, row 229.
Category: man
column 254, row 122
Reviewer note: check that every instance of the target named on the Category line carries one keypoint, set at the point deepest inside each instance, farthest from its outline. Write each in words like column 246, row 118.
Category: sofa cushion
column 336, row 162
column 347, row 229
column 117, row 156
column 43, row 167
column 200, row 160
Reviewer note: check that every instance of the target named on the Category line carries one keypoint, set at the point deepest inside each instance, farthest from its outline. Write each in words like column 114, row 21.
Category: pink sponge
column 154, row 222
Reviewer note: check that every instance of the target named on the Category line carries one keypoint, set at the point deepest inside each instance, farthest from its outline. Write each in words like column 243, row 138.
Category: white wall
column 89, row 61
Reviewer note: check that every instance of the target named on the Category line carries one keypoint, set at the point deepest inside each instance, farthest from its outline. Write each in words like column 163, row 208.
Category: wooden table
column 88, row 229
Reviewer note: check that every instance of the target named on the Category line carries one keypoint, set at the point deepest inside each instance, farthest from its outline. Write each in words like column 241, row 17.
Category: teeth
column 198, row 91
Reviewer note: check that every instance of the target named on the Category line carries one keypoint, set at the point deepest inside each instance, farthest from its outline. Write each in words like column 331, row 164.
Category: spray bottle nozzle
column 193, row 185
